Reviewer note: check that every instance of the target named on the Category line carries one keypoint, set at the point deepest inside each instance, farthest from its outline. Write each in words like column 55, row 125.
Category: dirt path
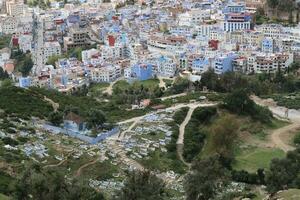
column 54, row 105
column 122, row 134
column 179, row 143
column 109, row 89
column 162, row 83
column 173, row 96
column 60, row 163
column 117, row 149
column 78, row 172
column 280, row 137
column 180, row 140
column 183, row 125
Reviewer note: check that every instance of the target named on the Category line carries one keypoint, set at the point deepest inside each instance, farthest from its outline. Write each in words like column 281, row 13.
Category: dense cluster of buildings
column 141, row 41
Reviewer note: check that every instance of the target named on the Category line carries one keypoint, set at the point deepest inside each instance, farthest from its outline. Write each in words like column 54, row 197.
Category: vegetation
column 56, row 118
column 125, row 93
column 239, row 102
column 206, row 177
column 37, row 183
column 24, row 62
column 83, row 104
column 222, row 137
column 168, row 161
column 23, row 102
column 291, row 100
column 297, row 139
column 5, row 183
column 5, row 41
column 256, row 158
column 284, row 173
column 143, row 185
column 95, row 119
column 3, row 74
column 194, row 132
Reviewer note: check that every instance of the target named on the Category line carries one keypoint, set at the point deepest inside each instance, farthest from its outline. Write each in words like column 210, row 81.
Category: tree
column 53, row 59
column 205, row 178
column 37, row 183
column 284, row 173
column 56, row 118
column 142, row 185
column 26, row 66
column 239, row 102
column 24, row 62
column 224, row 134
column 96, row 118
column 209, row 79
column 3, row 74
column 6, row 83
column 273, row 3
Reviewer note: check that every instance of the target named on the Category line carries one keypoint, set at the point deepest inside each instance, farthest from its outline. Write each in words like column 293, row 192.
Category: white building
column 25, row 43
column 166, row 66
column 15, row 7
column 50, row 49
column 9, row 25
column 270, row 63
column 105, row 74
column 4, row 56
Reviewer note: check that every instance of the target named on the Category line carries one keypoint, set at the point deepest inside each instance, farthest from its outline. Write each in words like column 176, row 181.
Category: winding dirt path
column 280, row 137
column 54, row 105
column 109, row 89
column 79, row 171
column 180, row 140
column 60, row 163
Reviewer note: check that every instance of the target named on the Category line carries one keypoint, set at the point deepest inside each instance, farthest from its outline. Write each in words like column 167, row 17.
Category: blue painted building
column 25, row 82
column 267, row 45
column 200, row 64
column 142, row 71
column 224, row 63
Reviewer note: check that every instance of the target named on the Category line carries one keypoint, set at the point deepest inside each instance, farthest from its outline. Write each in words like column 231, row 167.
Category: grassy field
column 151, row 83
column 253, row 158
column 123, row 85
column 291, row 194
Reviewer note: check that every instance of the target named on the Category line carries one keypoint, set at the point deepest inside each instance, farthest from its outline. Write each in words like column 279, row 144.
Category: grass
column 291, row 100
column 193, row 96
column 168, row 82
column 163, row 162
column 122, row 84
column 23, row 102
column 100, row 171
column 251, row 159
column 4, row 41
column 98, row 87
column 151, row 83
column 4, row 197
column 291, row 194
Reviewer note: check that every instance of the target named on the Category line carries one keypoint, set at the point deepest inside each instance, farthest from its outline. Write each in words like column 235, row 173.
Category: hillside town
column 149, row 99
column 76, row 44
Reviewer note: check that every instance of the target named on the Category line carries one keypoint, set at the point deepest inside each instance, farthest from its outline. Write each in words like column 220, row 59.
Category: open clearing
column 255, row 158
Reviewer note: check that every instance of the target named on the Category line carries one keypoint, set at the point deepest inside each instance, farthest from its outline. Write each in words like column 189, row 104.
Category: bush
column 10, row 141
column 297, row 139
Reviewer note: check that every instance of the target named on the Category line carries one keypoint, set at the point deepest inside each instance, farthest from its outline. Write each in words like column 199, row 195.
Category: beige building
column 15, row 7
column 77, row 38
